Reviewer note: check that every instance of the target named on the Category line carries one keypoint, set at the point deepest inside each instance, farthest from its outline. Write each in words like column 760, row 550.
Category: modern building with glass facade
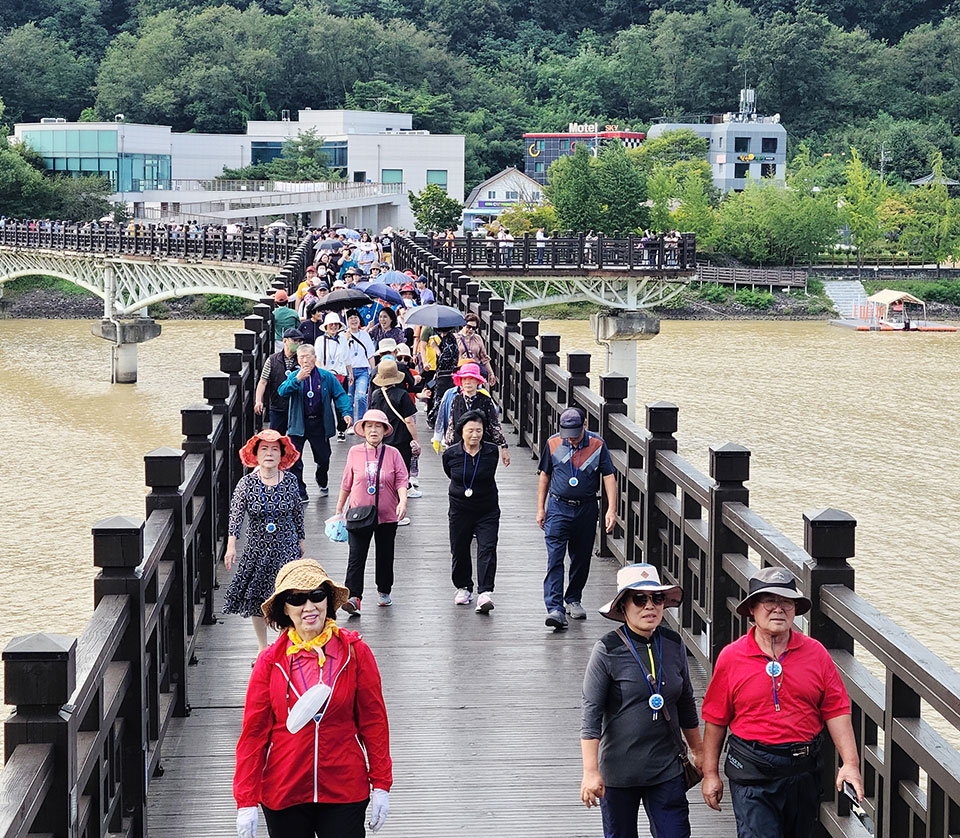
column 540, row 150
column 138, row 160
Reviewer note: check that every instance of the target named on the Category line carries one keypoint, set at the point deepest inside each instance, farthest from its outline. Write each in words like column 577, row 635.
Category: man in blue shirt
column 571, row 467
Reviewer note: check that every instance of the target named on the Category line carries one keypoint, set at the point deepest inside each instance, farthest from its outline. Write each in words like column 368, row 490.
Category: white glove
column 247, row 817
column 379, row 808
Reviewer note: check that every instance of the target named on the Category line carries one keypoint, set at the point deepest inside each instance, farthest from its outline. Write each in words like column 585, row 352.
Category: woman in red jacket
column 315, row 738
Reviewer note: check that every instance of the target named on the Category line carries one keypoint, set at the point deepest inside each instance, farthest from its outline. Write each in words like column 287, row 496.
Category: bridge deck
column 484, row 711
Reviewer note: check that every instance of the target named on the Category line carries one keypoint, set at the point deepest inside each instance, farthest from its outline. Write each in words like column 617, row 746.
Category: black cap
column 294, row 334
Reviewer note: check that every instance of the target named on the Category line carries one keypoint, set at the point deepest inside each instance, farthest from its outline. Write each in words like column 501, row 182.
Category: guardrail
column 565, row 252
column 701, row 533
column 263, row 247
column 91, row 713
column 752, row 277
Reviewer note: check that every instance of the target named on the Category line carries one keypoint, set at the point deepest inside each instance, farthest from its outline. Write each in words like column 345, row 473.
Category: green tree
column 23, row 190
column 527, row 218
column 434, row 209
column 669, row 148
column 860, row 201
column 661, row 189
column 621, row 191
column 573, row 191
column 695, row 214
column 933, row 223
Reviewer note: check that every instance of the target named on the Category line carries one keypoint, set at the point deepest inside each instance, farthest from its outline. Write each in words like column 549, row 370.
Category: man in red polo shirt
column 776, row 689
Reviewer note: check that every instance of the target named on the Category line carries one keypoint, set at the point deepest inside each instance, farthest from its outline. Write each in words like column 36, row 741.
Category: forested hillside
column 840, row 72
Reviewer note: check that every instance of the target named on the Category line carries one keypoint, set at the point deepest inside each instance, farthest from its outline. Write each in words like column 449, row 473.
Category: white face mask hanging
column 308, row 706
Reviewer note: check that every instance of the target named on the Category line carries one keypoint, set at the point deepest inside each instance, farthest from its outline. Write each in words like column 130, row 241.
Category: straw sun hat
column 305, row 575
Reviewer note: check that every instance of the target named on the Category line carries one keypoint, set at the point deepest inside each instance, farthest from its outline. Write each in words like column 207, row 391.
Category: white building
column 498, row 193
column 154, row 168
column 740, row 144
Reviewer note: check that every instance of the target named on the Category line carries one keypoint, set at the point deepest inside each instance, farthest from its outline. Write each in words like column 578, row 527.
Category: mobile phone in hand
column 850, row 791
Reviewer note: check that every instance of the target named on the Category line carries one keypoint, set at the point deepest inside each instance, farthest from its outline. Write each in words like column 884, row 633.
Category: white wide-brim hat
column 642, row 578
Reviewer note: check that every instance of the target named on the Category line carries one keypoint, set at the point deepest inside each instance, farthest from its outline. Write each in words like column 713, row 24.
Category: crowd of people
column 314, row 749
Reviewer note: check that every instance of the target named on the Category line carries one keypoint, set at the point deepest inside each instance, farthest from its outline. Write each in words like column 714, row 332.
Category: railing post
column 578, row 365
column 525, row 256
column 39, row 676
column 118, row 552
column 529, row 329
column 550, row 356
column 613, row 391
column 661, row 420
column 730, row 469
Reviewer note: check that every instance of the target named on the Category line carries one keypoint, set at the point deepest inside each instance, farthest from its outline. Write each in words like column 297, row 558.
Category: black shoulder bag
column 691, row 774
column 358, row 517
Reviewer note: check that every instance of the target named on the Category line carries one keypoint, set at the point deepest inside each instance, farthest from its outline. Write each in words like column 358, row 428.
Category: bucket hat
column 332, row 319
column 403, row 351
column 777, row 581
column 288, row 452
column 305, row 575
column 373, row 416
column 643, row 578
column 469, row 370
column 386, row 345
column 387, row 374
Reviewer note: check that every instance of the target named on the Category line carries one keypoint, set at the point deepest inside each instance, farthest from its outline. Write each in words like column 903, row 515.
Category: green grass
column 18, row 287
column 563, row 311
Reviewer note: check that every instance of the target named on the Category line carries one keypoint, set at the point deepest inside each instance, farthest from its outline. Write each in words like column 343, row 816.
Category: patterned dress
column 264, row 553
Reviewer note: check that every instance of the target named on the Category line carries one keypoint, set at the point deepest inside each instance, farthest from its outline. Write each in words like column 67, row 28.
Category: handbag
column 692, row 775
column 358, row 517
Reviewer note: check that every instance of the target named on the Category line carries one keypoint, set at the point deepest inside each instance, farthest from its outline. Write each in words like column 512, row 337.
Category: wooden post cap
column 39, row 670
column 829, row 534
column 550, row 344
column 118, row 542
column 730, row 463
column 231, row 360
column 246, row 340
column 164, row 467
column 254, row 323
column 196, row 420
column 613, row 387
column 578, row 363
column 662, row 417
column 216, row 386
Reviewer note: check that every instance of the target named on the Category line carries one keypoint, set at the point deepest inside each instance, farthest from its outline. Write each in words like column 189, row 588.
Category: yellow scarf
column 297, row 643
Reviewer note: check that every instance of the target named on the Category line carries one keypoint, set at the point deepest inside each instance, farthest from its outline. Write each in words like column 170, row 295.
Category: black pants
column 385, row 536
column 665, row 804
column 317, row 820
column 780, row 808
column 315, row 433
column 278, row 420
column 464, row 525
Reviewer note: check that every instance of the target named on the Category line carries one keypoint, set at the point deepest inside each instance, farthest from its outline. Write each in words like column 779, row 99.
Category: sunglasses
column 300, row 597
column 640, row 600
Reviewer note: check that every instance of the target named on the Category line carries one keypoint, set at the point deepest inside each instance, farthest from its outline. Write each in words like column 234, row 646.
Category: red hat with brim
column 289, row 451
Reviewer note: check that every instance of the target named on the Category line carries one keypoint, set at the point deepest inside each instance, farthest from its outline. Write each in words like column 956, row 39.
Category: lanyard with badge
column 774, row 669
column 575, row 465
column 654, row 677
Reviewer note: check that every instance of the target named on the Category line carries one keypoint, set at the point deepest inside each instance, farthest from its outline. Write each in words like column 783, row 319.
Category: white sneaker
column 463, row 596
column 403, row 522
column 415, row 481
column 484, row 604
column 351, row 431
column 414, row 493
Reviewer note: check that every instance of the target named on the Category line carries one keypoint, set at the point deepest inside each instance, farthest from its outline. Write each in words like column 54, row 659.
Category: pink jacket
column 360, row 472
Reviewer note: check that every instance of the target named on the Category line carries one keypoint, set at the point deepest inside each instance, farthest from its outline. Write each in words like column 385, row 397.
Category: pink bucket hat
column 469, row 370
column 373, row 416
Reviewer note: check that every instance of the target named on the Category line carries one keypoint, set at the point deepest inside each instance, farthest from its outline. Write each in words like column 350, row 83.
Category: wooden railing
column 91, row 713
column 566, row 252
column 702, row 534
column 752, row 277
column 208, row 243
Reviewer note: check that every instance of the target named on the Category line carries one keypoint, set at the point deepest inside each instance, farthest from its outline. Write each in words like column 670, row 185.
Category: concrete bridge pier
column 125, row 335
column 619, row 331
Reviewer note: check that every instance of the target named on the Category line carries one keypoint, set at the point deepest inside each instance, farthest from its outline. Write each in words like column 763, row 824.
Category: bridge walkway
column 484, row 710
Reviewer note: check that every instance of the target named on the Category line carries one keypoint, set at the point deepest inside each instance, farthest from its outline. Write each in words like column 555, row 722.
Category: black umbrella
column 330, row 244
column 439, row 317
column 343, row 298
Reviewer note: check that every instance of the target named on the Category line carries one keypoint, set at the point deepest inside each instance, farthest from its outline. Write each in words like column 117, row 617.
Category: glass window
column 719, row 142
column 768, row 145
column 89, row 164
column 768, row 170
column 437, row 176
column 741, row 169
column 564, row 145
column 264, row 152
column 73, row 140
column 539, row 167
column 536, row 196
column 391, row 175
column 59, row 141
column 492, row 195
column 741, row 144
column 107, row 142
column 73, row 164
column 40, row 141
column 49, row 162
column 59, row 164
column 512, row 195
column 359, row 177
column 88, row 141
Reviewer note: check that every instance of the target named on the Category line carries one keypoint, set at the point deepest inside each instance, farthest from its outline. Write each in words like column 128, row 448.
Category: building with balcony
column 540, row 150
column 740, row 145
column 153, row 167
column 497, row 194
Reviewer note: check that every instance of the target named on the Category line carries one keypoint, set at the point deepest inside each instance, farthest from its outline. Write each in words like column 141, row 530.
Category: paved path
column 484, row 710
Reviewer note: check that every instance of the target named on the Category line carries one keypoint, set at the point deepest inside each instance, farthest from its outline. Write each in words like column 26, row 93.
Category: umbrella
column 394, row 278
column 439, row 317
column 330, row 244
column 343, row 298
column 278, row 223
column 379, row 291
column 350, row 234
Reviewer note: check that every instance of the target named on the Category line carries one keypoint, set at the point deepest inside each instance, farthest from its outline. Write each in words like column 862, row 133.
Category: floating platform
column 881, row 326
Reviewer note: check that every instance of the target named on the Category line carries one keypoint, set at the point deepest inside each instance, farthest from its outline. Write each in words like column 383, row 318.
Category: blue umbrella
column 394, row 277
column 348, row 233
column 379, row 291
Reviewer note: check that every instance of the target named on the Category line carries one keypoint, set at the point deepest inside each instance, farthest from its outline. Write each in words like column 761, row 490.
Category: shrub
column 815, row 286
column 758, row 300
column 227, row 305
column 714, row 293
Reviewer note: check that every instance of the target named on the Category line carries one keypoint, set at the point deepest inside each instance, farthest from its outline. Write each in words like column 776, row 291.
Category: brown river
column 861, row 422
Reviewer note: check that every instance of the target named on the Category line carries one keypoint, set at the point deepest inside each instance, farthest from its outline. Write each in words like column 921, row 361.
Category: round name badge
column 574, row 481
column 371, row 490
column 309, row 394
column 774, row 669
column 656, row 702
column 468, row 493
column 271, row 527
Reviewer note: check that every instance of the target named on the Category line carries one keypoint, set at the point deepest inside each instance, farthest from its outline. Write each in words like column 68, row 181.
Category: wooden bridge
column 130, row 729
